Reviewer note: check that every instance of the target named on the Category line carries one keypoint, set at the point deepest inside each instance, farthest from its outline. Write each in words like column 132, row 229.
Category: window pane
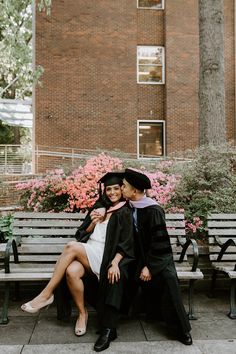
column 156, row 61
column 154, row 75
column 150, row 64
column 151, row 139
column 153, row 4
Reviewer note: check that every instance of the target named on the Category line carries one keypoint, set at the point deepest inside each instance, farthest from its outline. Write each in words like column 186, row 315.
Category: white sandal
column 81, row 331
column 27, row 307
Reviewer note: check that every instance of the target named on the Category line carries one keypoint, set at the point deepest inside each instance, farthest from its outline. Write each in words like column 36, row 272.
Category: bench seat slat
column 39, row 258
column 31, row 269
column 190, row 275
column 25, row 276
column 40, row 249
column 45, row 240
column 231, row 274
column 224, row 266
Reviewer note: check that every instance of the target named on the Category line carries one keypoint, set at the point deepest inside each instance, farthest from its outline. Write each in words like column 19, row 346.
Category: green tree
column 17, row 73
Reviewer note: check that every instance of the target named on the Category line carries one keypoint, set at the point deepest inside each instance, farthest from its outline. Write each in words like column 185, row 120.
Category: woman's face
column 114, row 193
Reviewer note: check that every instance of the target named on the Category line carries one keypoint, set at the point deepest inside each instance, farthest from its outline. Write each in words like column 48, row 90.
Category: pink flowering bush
column 204, row 184
column 77, row 191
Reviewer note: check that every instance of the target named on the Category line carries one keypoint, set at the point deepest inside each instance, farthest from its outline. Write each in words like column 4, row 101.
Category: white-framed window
column 150, row 65
column 150, row 4
column 150, row 138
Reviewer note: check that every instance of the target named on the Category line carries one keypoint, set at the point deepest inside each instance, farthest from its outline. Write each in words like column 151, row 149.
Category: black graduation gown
column 153, row 249
column 119, row 239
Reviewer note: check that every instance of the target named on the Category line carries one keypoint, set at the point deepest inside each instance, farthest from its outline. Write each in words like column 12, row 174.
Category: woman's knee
column 70, row 246
column 75, row 270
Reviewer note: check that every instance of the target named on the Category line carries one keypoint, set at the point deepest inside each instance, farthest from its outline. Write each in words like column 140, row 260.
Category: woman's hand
column 96, row 216
column 113, row 273
column 145, row 274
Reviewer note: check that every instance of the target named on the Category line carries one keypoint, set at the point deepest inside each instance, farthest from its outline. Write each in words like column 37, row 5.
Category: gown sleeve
column 81, row 234
column 159, row 249
column 125, row 228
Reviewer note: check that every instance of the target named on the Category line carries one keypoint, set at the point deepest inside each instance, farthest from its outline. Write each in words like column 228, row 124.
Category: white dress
column 95, row 247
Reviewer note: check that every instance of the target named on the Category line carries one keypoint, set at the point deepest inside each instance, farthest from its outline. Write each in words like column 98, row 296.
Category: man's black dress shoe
column 103, row 341
column 186, row 338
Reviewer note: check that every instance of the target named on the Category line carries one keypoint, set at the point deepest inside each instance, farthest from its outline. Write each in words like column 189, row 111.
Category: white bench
column 222, row 252
column 38, row 239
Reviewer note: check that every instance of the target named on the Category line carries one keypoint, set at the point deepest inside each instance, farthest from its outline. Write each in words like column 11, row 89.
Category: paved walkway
column 213, row 332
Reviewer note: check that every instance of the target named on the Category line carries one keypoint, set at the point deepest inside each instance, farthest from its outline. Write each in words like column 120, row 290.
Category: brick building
column 123, row 74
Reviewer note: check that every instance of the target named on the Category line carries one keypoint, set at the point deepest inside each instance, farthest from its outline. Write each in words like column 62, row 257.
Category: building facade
column 124, row 75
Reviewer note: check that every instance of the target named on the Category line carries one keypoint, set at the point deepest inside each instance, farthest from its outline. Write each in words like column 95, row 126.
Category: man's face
column 128, row 191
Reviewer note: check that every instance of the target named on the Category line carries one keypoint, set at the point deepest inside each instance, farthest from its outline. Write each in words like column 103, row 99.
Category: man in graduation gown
column 155, row 267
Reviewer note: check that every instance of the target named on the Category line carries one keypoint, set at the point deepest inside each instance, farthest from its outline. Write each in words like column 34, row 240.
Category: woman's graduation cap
column 111, row 178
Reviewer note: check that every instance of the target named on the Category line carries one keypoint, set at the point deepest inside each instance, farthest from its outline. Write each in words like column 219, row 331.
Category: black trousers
column 163, row 300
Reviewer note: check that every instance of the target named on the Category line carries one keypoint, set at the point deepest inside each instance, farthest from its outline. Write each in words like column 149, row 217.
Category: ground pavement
column 213, row 332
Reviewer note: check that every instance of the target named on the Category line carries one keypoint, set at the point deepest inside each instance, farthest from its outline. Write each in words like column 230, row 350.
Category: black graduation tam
column 137, row 179
column 111, row 178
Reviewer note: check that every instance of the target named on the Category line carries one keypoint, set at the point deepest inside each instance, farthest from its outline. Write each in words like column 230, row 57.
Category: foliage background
column 203, row 183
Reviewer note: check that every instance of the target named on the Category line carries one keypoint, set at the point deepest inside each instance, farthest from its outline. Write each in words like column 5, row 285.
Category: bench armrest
column 224, row 247
column 185, row 246
column 10, row 244
column 7, row 257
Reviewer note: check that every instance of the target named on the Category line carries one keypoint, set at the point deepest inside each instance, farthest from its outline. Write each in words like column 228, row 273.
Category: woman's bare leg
column 74, row 273
column 72, row 251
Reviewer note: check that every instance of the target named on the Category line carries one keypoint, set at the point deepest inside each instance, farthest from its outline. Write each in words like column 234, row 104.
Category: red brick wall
column 90, row 97
column 182, row 66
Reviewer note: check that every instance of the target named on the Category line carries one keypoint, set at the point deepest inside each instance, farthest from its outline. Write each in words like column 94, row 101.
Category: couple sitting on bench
column 123, row 242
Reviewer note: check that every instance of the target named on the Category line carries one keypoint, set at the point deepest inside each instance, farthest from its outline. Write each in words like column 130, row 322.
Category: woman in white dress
column 109, row 228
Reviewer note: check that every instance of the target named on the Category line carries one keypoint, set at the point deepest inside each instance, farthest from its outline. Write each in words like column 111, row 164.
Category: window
column 151, row 138
column 150, row 4
column 150, row 65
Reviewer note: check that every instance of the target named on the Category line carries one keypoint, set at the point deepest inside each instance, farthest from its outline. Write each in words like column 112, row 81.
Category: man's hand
column 113, row 273
column 145, row 274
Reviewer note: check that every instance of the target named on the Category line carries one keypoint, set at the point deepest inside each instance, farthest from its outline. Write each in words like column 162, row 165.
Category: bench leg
column 213, row 283
column 191, row 314
column 4, row 319
column 17, row 291
column 232, row 313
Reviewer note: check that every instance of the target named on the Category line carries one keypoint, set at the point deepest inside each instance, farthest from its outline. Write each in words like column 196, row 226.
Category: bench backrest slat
column 39, row 215
column 45, row 232
column 223, row 227
column 46, row 223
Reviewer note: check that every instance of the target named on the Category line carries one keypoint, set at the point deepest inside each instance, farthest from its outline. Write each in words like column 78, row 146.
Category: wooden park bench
column 38, row 239
column 222, row 252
